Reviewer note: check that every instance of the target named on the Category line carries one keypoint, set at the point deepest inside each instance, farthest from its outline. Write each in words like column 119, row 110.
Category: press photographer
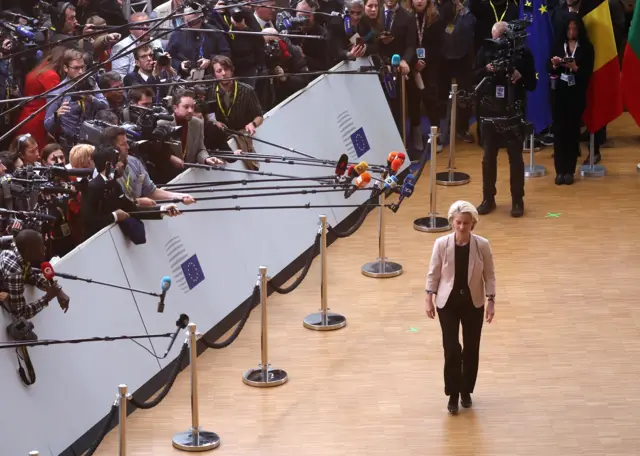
column 505, row 71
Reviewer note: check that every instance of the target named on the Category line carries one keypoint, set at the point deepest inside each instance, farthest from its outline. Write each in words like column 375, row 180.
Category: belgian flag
column 604, row 96
column 631, row 68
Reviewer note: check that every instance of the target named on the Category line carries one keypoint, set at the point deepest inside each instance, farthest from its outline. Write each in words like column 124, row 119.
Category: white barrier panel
column 212, row 258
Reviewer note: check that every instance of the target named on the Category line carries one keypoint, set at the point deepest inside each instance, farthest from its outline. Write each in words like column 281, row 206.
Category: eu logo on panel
column 185, row 269
column 192, row 271
column 354, row 139
column 360, row 142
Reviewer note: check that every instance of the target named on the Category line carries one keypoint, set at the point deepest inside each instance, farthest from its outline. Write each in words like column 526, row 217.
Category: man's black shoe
column 452, row 405
column 568, row 179
column 486, row 207
column 517, row 209
column 560, row 179
column 465, row 400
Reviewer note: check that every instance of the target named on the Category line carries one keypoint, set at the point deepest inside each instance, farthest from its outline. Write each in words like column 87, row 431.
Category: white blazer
column 482, row 277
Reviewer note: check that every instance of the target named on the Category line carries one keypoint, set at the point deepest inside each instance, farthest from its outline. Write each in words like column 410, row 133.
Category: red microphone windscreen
column 392, row 156
column 396, row 164
column 401, row 156
column 341, row 166
column 351, row 172
column 47, row 270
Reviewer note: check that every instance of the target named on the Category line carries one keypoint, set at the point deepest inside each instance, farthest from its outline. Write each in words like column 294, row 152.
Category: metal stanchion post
column 264, row 375
column 533, row 170
column 123, row 397
column 592, row 170
column 381, row 268
column 195, row 439
column 451, row 177
column 432, row 223
column 324, row 320
column 403, row 89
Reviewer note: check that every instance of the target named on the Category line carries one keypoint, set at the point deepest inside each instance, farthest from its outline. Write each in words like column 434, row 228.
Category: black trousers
column 431, row 96
column 566, row 142
column 460, row 362
column 491, row 143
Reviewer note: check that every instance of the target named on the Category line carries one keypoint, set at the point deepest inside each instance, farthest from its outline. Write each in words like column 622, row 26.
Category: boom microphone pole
column 344, row 160
column 234, row 32
column 253, row 138
column 74, row 277
column 256, row 195
column 274, row 187
column 244, row 171
column 210, row 184
column 257, row 208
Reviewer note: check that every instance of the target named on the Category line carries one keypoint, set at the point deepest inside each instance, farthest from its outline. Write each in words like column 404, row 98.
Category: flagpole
column 592, row 170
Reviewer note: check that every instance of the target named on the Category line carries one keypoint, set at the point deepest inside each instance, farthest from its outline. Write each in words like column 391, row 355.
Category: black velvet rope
column 253, row 301
column 167, row 387
column 105, row 430
column 312, row 254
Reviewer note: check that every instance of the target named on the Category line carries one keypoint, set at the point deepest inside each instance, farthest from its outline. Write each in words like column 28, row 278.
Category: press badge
column 66, row 231
column 499, row 91
column 422, row 54
column 450, row 28
column 570, row 79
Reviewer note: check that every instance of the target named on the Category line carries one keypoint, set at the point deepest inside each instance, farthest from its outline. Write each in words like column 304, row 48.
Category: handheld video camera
column 508, row 48
column 286, row 23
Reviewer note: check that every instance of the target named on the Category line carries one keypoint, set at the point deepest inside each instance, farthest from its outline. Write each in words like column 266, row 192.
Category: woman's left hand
column 490, row 311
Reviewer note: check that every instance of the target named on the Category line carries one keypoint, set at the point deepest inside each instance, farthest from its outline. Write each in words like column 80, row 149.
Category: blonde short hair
column 463, row 207
column 81, row 156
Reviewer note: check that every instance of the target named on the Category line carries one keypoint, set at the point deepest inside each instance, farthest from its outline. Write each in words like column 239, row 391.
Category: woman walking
column 461, row 276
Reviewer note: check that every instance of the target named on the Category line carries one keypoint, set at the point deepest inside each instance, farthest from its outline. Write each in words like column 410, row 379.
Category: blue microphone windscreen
column 166, row 283
column 395, row 60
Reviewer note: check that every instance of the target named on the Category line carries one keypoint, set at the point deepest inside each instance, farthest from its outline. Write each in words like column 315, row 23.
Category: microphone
column 47, row 271
column 341, row 166
column 397, row 164
column 361, row 167
column 165, row 284
column 361, row 182
column 395, row 64
column 20, row 30
column 391, row 157
column 181, row 323
column 408, row 186
column 390, row 182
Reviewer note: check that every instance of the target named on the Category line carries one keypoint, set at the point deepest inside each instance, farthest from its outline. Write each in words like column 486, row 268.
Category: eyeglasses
column 81, row 67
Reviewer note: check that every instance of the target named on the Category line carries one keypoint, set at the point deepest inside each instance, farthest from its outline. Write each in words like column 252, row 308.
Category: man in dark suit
column 103, row 202
column 149, row 71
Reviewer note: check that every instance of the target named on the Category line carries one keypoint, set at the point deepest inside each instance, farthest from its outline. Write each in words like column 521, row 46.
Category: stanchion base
column 196, row 442
column 324, row 322
column 536, row 171
column 255, row 377
column 592, row 171
column 452, row 178
column 431, row 224
column 382, row 269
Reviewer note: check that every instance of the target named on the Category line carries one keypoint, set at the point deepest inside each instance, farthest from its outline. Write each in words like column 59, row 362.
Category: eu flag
column 360, row 142
column 193, row 272
column 540, row 40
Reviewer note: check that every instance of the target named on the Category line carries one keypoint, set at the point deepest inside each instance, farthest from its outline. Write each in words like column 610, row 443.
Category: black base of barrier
column 160, row 379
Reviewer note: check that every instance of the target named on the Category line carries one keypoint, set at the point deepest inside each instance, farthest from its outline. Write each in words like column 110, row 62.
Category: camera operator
column 246, row 50
column 135, row 181
column 503, row 95
column 316, row 52
column 282, row 59
column 125, row 64
column 103, row 202
column 151, row 67
column 15, row 271
column 192, row 148
column 192, row 50
column 65, row 25
column 65, row 115
column 115, row 98
column 354, row 36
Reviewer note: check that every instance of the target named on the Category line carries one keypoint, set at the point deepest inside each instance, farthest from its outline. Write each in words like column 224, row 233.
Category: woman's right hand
column 430, row 307
column 555, row 61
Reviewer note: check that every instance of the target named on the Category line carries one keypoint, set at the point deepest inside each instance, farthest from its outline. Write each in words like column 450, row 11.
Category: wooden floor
column 560, row 365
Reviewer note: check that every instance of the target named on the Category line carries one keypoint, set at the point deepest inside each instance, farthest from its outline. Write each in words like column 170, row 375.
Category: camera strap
column 22, row 355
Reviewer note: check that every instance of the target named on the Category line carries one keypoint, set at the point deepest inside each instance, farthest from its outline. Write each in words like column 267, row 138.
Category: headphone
column 58, row 15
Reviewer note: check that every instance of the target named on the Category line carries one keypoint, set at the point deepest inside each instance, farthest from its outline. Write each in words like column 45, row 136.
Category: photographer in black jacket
column 505, row 70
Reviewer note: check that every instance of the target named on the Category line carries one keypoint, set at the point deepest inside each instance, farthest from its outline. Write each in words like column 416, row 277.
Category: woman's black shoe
column 465, row 400
column 560, row 179
column 568, row 179
column 452, row 406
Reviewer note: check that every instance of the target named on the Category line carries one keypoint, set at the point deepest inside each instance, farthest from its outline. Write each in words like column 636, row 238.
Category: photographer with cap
column 505, row 70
